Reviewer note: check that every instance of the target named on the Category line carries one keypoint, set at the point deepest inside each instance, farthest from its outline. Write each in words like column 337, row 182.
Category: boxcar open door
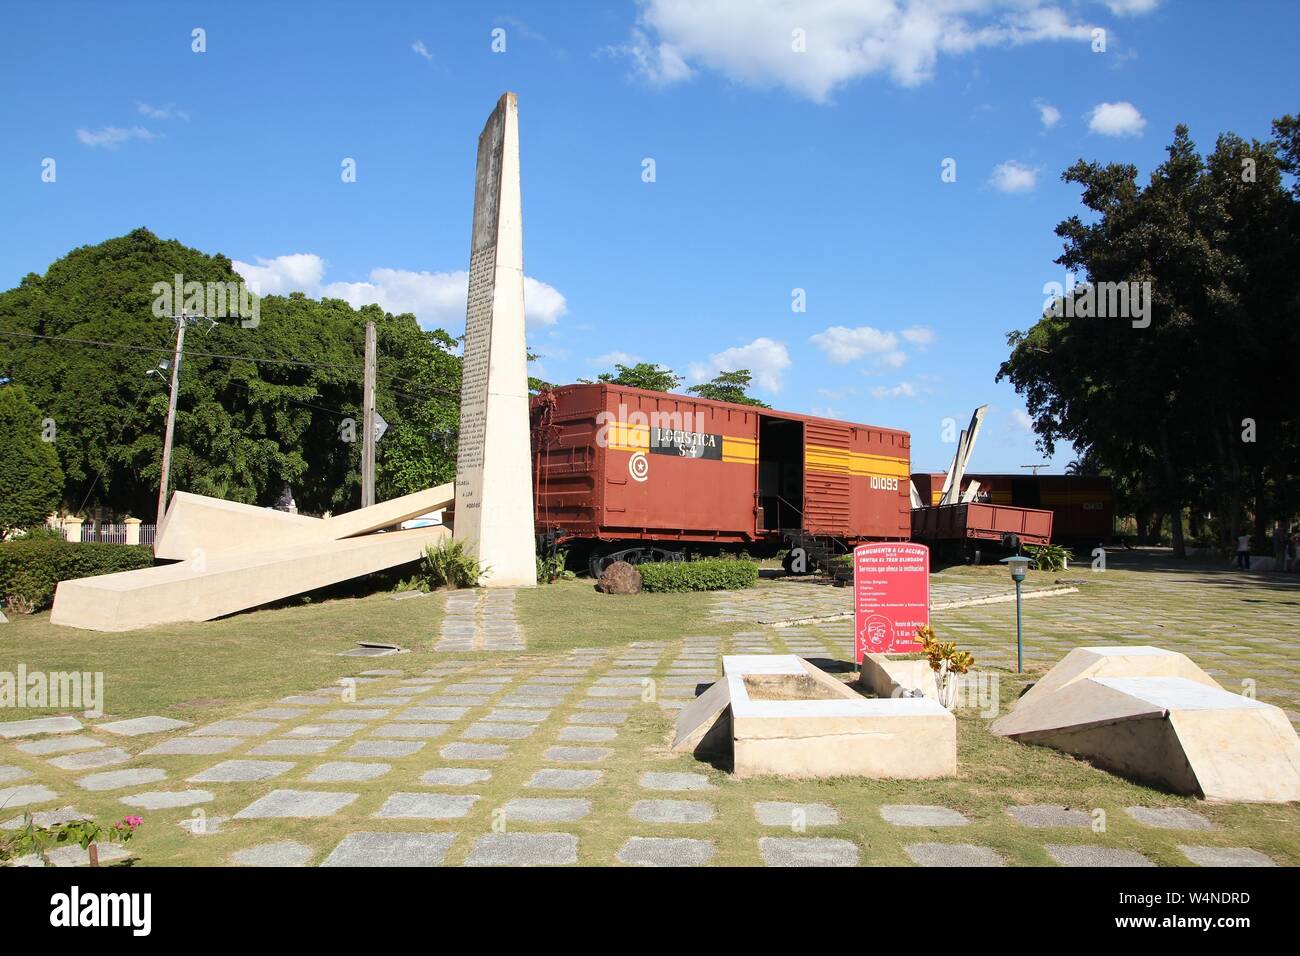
column 780, row 474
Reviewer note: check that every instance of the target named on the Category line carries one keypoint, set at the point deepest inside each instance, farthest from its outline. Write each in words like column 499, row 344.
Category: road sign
column 381, row 426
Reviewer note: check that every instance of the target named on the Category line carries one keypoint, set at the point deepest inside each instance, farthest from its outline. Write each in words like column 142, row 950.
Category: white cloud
column 161, row 112
column 844, row 40
column 1116, row 119
column 841, row 344
column 1022, row 420
column 766, row 360
column 437, row 299
column 1014, row 177
column 419, row 47
column 110, row 137
column 1130, row 8
column 1048, row 114
column 610, row 359
column 901, row 390
column 919, row 335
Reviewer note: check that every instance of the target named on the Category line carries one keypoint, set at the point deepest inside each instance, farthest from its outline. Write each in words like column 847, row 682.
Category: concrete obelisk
column 494, row 486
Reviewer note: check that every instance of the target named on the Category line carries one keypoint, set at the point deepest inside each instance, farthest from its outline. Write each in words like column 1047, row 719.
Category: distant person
column 1243, row 552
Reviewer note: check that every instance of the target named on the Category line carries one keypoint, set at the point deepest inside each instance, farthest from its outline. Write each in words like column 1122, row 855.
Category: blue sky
column 774, row 169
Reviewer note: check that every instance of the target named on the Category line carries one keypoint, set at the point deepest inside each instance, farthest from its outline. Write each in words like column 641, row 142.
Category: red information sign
column 891, row 590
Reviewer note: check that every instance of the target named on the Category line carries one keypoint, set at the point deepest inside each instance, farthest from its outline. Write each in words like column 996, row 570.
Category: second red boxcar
column 627, row 472
column 1083, row 508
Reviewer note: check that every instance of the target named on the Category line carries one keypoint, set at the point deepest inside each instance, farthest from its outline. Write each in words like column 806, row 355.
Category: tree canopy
column 725, row 387
column 31, row 480
column 257, row 407
column 1185, row 405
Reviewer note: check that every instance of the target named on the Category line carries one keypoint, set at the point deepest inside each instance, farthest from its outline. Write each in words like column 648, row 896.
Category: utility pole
column 368, row 422
column 165, row 474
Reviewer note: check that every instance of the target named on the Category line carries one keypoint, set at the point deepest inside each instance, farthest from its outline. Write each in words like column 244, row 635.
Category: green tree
column 647, row 375
column 728, row 387
column 31, row 479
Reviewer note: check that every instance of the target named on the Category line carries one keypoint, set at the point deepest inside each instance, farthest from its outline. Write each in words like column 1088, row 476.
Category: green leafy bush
column 1047, row 557
column 30, row 567
column 447, row 565
column 707, row 574
column 550, row 568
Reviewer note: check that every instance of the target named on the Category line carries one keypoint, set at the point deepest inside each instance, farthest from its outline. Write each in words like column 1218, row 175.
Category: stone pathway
column 480, row 620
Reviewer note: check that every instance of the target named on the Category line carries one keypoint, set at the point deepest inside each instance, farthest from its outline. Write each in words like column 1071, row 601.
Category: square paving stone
column 189, row 746
column 485, row 689
column 454, row 700
column 46, row 818
column 166, row 799
column 385, row 748
column 1166, row 818
column 921, row 815
column 674, row 781
column 600, row 718
column 310, row 700
column 576, row 754
column 427, row 806
column 39, row 725
column 484, row 730
column 509, row 714
column 117, row 779
column 282, row 747
column 296, row 803
column 587, row 733
column 795, row 815
column 455, row 776
column 542, row 810
column 952, row 854
column 10, row 773
column 446, row 714
column 285, row 853
column 391, row 849
column 236, row 728
column 274, row 713
column 242, row 771
column 1043, row 815
column 671, row 811
column 1072, row 855
column 474, row 751
column 807, row 851
column 89, row 759
column 137, row 726
column 24, row 794
column 58, row 745
column 410, row 731
column 345, row 771
column 1225, row 856
column 666, row 851
column 556, row 779
column 75, row 856
column 345, row 714
column 332, row 731
column 524, row 849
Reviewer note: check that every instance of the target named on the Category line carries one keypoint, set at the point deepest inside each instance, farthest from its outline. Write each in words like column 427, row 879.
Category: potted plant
column 946, row 661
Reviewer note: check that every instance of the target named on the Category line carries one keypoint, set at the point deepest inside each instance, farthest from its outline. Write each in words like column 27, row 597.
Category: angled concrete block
column 1154, row 716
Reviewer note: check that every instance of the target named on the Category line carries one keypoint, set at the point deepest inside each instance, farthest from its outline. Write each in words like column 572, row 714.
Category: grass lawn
column 225, row 669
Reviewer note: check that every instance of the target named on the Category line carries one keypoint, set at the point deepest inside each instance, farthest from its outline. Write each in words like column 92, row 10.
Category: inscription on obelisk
column 494, row 507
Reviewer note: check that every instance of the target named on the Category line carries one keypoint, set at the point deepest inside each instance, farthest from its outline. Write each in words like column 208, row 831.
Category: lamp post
column 1019, row 565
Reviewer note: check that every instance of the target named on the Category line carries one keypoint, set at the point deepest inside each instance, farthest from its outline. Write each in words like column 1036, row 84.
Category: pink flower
column 133, row 822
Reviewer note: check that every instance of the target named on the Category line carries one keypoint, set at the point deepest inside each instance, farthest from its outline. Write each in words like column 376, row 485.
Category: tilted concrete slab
column 1158, row 718
column 704, row 725
column 197, row 526
column 224, row 583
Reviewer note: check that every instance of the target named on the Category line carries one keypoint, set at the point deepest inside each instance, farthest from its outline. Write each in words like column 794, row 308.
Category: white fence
column 105, row 533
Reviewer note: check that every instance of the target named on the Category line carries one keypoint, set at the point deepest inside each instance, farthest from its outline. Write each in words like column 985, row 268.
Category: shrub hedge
column 31, row 567
column 707, row 574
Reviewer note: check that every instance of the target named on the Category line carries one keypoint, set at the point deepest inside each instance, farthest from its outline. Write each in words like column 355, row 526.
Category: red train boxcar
column 624, row 472
column 965, row 528
column 1083, row 508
